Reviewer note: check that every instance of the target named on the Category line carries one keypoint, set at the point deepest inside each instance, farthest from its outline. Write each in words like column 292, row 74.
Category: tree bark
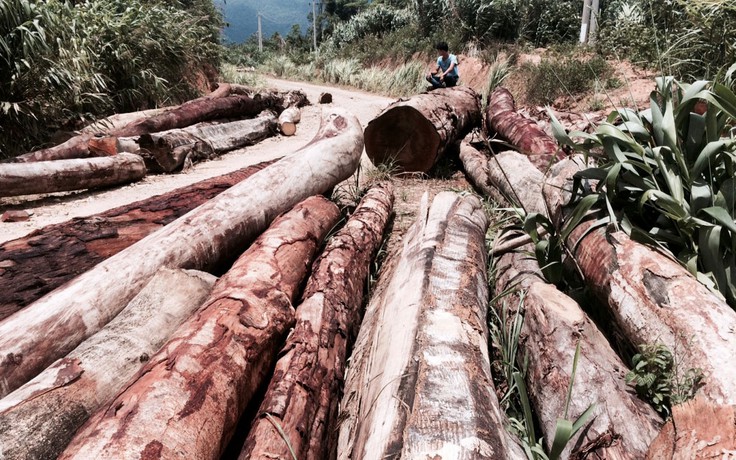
column 119, row 120
column 415, row 132
column 419, row 382
column 52, row 326
column 206, row 141
column 197, row 110
column 697, row 429
column 651, row 297
column 522, row 133
column 67, row 175
column 40, row 418
column 622, row 426
column 288, row 120
column 303, row 394
column 35, row 265
column 475, row 164
column 186, row 401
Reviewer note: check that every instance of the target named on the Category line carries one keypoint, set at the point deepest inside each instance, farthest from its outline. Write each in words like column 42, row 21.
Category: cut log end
column 288, row 129
column 413, row 136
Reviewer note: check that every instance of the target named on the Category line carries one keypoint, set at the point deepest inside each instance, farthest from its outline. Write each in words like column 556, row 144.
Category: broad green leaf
column 701, row 196
column 674, row 208
column 580, row 211
column 563, row 434
column 722, row 217
column 707, row 156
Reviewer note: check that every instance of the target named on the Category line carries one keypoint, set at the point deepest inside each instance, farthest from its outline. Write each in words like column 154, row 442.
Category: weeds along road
column 59, row 207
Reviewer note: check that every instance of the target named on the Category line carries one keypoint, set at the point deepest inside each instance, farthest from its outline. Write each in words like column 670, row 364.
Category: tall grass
column 65, row 62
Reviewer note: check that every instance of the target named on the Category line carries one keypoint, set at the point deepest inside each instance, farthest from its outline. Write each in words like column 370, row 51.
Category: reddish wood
column 197, row 110
column 697, row 429
column 415, row 132
column 502, row 118
column 39, row 419
column 66, row 175
column 186, row 402
column 47, row 258
column 622, row 426
column 49, row 328
column 651, row 297
column 15, row 216
column 288, row 121
column 302, row 396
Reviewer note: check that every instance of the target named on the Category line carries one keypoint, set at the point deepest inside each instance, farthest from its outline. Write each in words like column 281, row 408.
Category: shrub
column 560, row 76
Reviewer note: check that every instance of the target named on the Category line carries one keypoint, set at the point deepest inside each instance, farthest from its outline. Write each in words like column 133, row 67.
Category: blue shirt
column 444, row 64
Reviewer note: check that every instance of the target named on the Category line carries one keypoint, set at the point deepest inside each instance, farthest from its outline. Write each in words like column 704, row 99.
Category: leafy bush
column 563, row 76
column 670, row 173
column 657, row 379
column 375, row 21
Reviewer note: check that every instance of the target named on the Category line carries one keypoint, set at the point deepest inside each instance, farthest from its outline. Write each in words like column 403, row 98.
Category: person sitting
column 446, row 74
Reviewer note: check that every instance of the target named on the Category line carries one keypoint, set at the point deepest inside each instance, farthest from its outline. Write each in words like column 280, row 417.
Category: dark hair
column 442, row 46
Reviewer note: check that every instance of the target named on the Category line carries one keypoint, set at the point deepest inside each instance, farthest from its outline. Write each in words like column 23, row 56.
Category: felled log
column 502, row 118
column 47, row 258
column 195, row 111
column 419, row 382
column 119, row 120
column 187, row 400
column 475, row 164
column 621, row 425
column 325, row 98
column 303, row 394
column 66, row 175
column 206, row 141
column 415, row 132
column 697, row 429
column 39, row 419
column 651, row 297
column 288, row 120
column 52, row 326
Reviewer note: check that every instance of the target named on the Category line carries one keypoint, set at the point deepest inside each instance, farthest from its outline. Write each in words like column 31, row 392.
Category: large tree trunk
column 186, row 402
column 197, row 110
column 415, row 132
column 288, row 120
column 475, row 164
column 36, row 264
column 521, row 132
column 206, row 141
column 67, row 175
column 697, row 429
column 622, row 426
column 303, row 394
column 651, row 297
column 117, row 121
column 39, row 419
column 419, row 382
column 51, row 327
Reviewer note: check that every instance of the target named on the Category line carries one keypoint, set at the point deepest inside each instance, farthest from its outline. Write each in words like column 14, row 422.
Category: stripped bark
column 200, row 142
column 622, row 426
column 302, row 396
column 288, row 120
column 475, row 164
column 697, row 429
column 415, row 132
column 514, row 175
column 39, row 419
column 651, row 297
column 34, row 265
column 117, row 121
column 67, row 175
column 502, row 118
column 52, row 326
column 197, row 110
column 419, row 382
column 186, row 402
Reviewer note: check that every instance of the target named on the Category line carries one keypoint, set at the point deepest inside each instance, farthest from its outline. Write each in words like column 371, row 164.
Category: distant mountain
column 276, row 16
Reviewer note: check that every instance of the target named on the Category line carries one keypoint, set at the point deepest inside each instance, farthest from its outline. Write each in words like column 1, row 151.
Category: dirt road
column 55, row 208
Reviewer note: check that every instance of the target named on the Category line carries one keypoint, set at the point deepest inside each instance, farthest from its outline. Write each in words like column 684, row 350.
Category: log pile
column 301, row 398
column 47, row 258
column 49, row 328
column 189, row 397
column 413, row 134
column 39, row 419
column 421, row 350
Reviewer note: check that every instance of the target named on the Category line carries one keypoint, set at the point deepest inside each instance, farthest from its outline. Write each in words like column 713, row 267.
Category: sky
column 276, row 16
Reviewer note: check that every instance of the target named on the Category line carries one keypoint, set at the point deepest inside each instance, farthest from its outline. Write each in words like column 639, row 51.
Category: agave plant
column 668, row 176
